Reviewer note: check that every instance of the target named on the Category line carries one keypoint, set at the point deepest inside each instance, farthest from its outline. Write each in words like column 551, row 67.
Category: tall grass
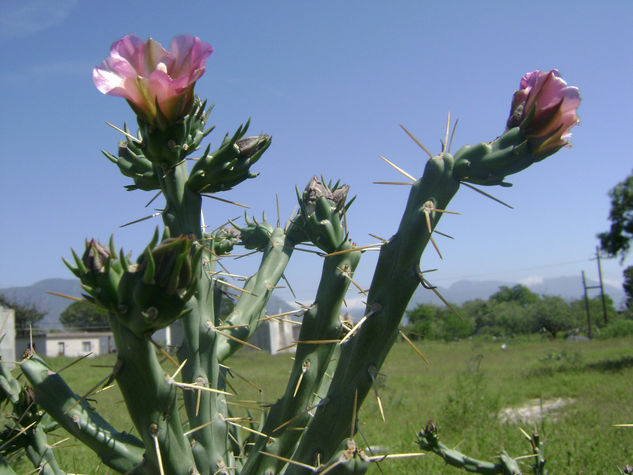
column 463, row 389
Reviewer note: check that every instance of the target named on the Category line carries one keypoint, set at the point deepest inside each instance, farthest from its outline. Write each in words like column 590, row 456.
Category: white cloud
column 614, row 282
column 532, row 280
column 22, row 18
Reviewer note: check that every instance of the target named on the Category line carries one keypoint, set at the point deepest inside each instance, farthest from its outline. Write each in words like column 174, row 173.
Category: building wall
column 24, row 342
column 7, row 333
column 72, row 344
column 274, row 335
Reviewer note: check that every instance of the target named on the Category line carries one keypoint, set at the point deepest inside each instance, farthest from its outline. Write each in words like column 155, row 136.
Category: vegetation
column 515, row 311
column 85, row 316
column 617, row 241
column 463, row 389
column 26, row 314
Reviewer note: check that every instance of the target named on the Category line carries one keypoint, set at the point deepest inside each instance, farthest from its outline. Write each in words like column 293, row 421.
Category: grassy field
column 463, row 389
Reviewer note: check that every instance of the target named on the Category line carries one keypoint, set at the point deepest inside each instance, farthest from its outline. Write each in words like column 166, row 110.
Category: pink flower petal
column 545, row 109
column 145, row 73
column 131, row 49
column 154, row 54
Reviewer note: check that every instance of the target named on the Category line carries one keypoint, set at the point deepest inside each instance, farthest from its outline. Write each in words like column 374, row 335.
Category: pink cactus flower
column 545, row 109
column 150, row 77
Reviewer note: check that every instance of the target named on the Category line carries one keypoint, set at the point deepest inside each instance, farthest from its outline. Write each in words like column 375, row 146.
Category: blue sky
column 330, row 81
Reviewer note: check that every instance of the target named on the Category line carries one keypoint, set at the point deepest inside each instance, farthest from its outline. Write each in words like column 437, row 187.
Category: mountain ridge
column 568, row 287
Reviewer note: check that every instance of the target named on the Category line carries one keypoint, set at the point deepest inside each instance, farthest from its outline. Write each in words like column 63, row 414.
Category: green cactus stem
column 27, row 425
column 349, row 459
column 181, row 215
column 395, row 280
column 210, row 443
column 5, row 468
column 488, row 163
column 40, row 453
column 118, row 450
column 258, row 289
column 538, row 450
column 320, row 323
column 230, row 164
column 154, row 409
column 428, row 439
column 154, row 293
column 133, row 163
column 169, row 144
column 9, row 386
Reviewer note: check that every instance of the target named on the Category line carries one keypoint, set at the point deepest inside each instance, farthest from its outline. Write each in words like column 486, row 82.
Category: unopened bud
column 249, row 146
column 316, row 189
column 95, row 256
column 173, row 266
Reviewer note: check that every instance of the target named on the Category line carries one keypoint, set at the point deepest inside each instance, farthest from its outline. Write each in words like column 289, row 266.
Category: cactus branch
column 395, row 280
column 320, row 323
column 251, row 304
column 429, row 440
column 155, row 410
column 118, row 450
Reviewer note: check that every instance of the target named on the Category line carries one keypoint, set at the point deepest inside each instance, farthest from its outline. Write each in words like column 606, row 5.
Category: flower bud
column 171, row 266
column 542, row 114
column 95, row 256
column 249, row 146
column 224, row 240
column 133, row 163
column 256, row 235
column 99, row 270
column 230, row 164
column 322, row 209
column 544, row 108
column 154, row 293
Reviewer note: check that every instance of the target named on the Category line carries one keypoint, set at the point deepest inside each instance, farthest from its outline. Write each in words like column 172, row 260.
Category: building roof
column 78, row 335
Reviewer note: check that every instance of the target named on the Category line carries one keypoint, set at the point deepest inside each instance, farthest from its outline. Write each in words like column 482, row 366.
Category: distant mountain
column 37, row 294
column 54, row 306
column 569, row 287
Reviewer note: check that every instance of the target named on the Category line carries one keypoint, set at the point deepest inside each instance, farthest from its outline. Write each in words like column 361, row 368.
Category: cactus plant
column 310, row 428
column 25, row 427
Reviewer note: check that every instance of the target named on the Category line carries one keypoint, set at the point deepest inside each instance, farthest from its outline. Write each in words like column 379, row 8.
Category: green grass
column 462, row 389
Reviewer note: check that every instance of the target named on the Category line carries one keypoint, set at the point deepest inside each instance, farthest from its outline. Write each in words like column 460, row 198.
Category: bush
column 618, row 328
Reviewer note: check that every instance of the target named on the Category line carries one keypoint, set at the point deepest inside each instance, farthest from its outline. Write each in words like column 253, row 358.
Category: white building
column 68, row 344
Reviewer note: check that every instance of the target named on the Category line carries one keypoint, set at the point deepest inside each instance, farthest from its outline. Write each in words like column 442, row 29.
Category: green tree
column 437, row 323
column 511, row 318
column 617, row 241
column 519, row 294
column 553, row 315
column 26, row 314
column 595, row 312
column 453, row 326
column 85, row 316
column 422, row 321
column 628, row 287
column 478, row 312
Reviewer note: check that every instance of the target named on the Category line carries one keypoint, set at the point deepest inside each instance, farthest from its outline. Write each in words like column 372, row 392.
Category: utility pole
column 604, row 304
column 584, row 285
